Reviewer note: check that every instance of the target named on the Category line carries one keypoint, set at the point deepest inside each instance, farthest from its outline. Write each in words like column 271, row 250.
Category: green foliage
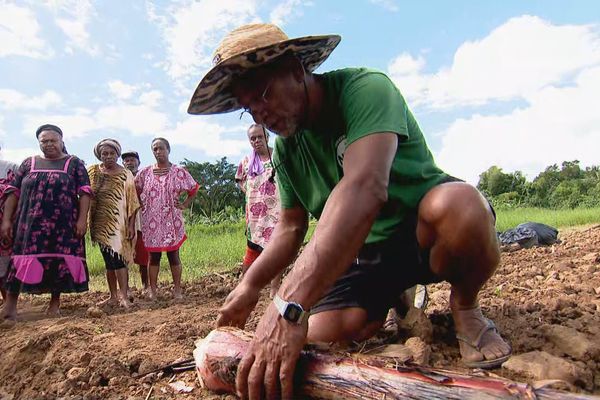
column 567, row 186
column 494, row 182
column 219, row 198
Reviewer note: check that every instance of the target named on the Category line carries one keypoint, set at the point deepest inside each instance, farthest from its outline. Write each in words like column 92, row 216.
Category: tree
column 218, row 190
column 570, row 170
column 495, row 182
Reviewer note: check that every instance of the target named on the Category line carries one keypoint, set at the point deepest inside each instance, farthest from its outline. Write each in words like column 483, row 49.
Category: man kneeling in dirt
column 350, row 153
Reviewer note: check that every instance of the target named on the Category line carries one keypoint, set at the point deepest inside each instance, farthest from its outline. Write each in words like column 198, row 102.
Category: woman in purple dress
column 51, row 197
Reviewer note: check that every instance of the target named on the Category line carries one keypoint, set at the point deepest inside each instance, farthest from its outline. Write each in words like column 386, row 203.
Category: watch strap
column 282, row 307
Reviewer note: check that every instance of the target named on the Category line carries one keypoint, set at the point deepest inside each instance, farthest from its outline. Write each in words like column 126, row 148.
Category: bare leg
column 54, row 305
column 122, row 277
column 111, row 279
column 175, row 264
column 153, row 269
column 144, row 275
column 176, row 273
column 9, row 311
column 455, row 222
column 2, row 291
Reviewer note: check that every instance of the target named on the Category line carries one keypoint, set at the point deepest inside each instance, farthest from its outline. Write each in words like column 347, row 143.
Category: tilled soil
column 542, row 299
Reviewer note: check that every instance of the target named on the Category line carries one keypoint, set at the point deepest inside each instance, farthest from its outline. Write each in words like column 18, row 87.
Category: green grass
column 509, row 218
column 220, row 247
column 208, row 249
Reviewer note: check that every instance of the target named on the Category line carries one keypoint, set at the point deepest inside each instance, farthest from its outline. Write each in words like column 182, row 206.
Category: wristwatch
column 290, row 311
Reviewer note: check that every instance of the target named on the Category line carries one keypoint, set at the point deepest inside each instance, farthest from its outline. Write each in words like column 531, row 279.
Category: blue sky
column 508, row 83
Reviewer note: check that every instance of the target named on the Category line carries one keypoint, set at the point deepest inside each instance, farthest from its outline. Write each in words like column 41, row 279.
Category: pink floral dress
column 262, row 202
column 162, row 222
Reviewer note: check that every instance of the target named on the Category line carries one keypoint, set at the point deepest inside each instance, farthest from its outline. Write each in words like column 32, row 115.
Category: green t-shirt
column 359, row 102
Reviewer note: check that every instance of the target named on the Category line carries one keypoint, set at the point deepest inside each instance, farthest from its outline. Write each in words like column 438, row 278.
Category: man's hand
column 238, row 306
column 271, row 358
column 80, row 228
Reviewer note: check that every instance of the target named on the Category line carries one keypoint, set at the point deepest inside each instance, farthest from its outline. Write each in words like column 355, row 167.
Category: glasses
column 263, row 98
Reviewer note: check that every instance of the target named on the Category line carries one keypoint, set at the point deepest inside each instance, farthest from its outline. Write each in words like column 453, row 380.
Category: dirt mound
column 546, row 301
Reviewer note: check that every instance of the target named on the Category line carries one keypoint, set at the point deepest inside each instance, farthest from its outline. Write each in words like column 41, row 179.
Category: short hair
column 165, row 141
column 265, row 131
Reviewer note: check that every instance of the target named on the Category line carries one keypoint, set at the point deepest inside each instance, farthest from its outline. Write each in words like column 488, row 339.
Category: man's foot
column 481, row 346
column 111, row 301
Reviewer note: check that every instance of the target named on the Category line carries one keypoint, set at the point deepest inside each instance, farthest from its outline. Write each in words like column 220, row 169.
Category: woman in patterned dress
column 51, row 197
column 160, row 187
column 255, row 178
column 112, row 218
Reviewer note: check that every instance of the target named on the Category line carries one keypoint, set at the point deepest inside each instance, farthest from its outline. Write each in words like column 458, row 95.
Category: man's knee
column 455, row 202
column 456, row 222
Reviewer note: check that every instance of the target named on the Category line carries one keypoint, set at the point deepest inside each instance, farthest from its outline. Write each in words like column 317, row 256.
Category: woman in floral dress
column 256, row 179
column 160, row 187
column 51, row 197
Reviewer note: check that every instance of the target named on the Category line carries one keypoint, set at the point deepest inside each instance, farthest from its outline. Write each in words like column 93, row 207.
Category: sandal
column 476, row 344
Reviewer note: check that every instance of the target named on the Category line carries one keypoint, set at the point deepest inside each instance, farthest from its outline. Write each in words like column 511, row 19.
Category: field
column 545, row 301
column 218, row 248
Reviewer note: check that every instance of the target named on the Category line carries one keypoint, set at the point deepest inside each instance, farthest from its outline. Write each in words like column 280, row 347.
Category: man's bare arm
column 282, row 249
column 346, row 220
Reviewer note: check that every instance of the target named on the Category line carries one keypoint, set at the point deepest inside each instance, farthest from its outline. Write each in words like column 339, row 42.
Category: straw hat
column 247, row 47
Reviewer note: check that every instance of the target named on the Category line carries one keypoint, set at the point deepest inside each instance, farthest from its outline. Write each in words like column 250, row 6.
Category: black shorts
column 381, row 272
column 112, row 260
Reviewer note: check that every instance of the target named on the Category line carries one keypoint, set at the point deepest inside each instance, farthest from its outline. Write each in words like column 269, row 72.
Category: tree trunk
column 323, row 375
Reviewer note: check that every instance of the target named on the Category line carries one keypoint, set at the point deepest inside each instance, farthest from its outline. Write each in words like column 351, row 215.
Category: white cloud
column 515, row 60
column 19, row 33
column 73, row 18
column 192, row 30
column 18, row 155
column 287, row 10
column 551, row 71
column 121, row 90
column 139, row 117
column 201, row 134
column 389, row 5
column 74, row 125
column 559, row 124
column 11, row 99
column 151, row 98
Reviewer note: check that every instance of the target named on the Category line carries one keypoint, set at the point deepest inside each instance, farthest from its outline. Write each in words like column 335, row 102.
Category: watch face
column 292, row 312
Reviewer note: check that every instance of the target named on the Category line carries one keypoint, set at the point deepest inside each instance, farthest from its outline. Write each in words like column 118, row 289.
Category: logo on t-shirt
column 340, row 146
